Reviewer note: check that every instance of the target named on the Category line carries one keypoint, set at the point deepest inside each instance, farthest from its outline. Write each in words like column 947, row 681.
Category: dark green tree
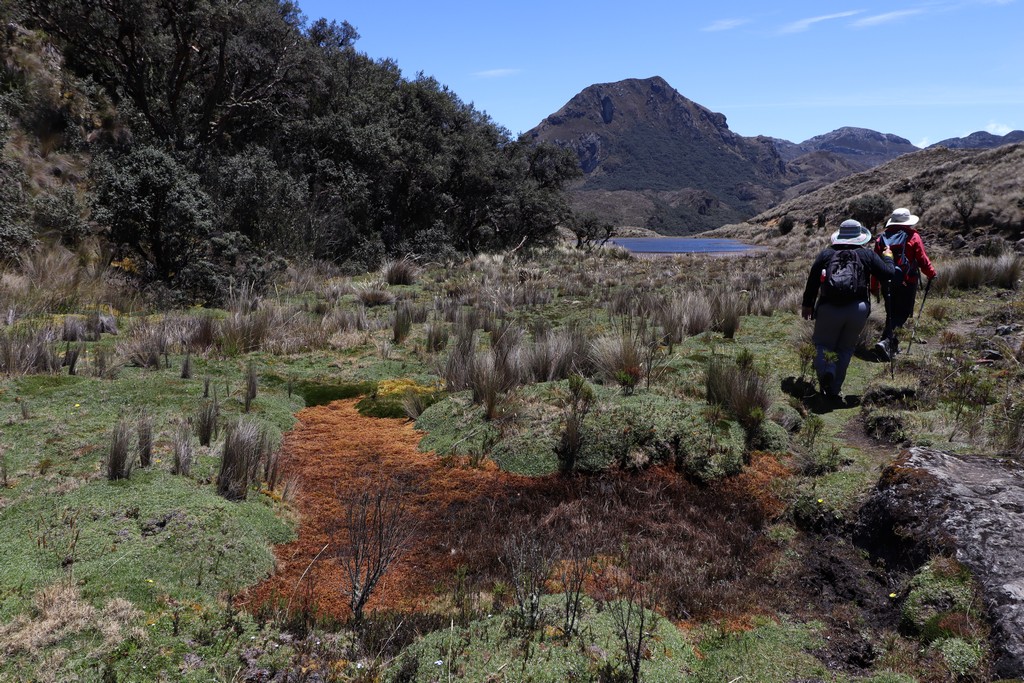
column 870, row 209
column 156, row 211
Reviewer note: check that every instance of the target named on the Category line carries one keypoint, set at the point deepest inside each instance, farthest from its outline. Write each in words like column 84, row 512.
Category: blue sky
column 925, row 71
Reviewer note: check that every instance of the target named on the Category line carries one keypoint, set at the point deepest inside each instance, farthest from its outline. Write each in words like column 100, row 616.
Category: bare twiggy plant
column 527, row 560
column 632, row 610
column 375, row 530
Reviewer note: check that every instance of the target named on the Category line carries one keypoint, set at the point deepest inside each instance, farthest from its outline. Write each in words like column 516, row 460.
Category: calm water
column 681, row 245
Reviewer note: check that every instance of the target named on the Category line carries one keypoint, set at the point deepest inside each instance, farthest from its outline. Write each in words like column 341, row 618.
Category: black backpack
column 897, row 242
column 843, row 278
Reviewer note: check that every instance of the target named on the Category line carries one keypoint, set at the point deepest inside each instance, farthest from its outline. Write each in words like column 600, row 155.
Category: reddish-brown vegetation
column 703, row 542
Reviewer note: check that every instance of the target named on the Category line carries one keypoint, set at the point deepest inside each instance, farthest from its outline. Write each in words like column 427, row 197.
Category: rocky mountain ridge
column 653, row 158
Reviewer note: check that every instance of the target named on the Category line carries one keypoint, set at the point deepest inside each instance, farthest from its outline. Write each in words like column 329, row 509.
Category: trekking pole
column 887, row 293
column 919, row 312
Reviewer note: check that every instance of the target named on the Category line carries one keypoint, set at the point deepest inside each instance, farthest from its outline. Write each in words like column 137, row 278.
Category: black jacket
column 879, row 266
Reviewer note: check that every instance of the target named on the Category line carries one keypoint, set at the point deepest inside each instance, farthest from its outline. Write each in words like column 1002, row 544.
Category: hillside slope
column 930, row 182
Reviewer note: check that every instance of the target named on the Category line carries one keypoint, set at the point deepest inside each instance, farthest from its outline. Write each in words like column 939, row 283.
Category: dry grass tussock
column 51, row 278
column 59, row 612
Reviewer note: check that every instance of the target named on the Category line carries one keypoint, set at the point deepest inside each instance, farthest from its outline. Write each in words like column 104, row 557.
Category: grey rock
column 971, row 507
column 959, row 242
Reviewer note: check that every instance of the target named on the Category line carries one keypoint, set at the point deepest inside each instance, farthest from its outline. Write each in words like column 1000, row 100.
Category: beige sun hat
column 902, row 217
column 851, row 232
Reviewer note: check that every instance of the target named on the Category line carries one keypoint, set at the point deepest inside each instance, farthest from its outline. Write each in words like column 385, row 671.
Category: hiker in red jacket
column 911, row 260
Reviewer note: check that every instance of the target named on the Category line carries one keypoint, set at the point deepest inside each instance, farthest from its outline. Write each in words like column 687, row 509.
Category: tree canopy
column 247, row 121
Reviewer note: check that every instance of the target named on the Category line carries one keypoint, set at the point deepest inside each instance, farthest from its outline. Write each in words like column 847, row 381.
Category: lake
column 682, row 245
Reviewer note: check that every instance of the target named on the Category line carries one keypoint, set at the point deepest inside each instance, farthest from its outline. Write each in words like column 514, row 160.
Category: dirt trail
column 333, row 451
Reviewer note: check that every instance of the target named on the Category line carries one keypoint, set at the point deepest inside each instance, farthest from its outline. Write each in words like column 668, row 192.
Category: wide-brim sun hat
column 902, row 217
column 851, row 232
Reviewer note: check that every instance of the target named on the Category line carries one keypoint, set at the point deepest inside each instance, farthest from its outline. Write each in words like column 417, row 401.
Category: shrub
column 119, row 463
column 786, row 224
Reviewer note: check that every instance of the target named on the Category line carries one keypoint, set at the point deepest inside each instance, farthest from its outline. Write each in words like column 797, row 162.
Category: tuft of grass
column 184, row 453
column 28, row 350
column 403, row 271
column 247, row 447
column 978, row 271
column 402, row 324
column 145, row 431
column 206, row 421
column 619, row 358
column 372, row 294
column 119, row 461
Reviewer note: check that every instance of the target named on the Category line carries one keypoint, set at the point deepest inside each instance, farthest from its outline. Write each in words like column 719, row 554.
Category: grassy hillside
column 616, row 430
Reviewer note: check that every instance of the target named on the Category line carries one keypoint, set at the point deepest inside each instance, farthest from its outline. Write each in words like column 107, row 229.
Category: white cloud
column 998, row 128
column 922, row 143
column 886, row 18
column 725, row 24
column 804, row 24
column 497, row 73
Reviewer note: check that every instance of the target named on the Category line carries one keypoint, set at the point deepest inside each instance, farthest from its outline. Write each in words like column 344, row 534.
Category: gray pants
column 836, row 331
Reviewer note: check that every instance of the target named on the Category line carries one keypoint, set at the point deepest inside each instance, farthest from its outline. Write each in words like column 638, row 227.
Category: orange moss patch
column 709, row 550
column 335, row 452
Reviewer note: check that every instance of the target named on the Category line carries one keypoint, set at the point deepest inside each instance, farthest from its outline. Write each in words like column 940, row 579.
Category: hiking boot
column 882, row 350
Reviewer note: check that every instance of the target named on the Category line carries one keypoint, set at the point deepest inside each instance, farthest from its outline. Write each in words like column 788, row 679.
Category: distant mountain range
column 653, row 158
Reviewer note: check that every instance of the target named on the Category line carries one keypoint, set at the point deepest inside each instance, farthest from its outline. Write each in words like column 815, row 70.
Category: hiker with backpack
column 910, row 259
column 836, row 297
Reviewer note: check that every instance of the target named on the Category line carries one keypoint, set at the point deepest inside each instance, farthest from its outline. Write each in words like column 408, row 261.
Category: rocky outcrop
column 970, row 507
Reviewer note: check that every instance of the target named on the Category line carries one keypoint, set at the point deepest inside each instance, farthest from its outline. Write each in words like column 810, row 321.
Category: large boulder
column 969, row 507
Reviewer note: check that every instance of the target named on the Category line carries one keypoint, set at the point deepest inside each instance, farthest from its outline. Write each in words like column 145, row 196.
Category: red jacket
column 914, row 250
